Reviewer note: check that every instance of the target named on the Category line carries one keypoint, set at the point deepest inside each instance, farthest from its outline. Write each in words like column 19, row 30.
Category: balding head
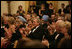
column 60, row 24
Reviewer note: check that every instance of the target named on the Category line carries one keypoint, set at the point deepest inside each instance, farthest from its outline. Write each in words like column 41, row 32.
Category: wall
column 14, row 6
column 57, row 4
column 4, row 7
column 60, row 2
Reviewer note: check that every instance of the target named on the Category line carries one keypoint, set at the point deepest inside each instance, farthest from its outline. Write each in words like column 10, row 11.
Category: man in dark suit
column 53, row 40
column 39, row 31
column 62, row 9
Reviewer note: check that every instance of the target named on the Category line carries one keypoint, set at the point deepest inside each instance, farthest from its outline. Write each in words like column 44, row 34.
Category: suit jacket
column 16, row 36
column 59, row 11
column 50, row 38
column 56, row 40
column 38, row 32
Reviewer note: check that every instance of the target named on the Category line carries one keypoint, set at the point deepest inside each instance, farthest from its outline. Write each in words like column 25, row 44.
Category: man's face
column 43, row 6
column 13, row 27
column 53, row 26
column 23, row 29
column 57, row 27
column 20, row 8
column 35, row 22
column 59, row 18
column 63, row 30
column 62, row 6
column 52, row 17
column 30, row 24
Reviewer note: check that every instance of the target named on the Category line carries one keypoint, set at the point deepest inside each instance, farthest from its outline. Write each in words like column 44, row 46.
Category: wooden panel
column 4, row 7
column 27, row 4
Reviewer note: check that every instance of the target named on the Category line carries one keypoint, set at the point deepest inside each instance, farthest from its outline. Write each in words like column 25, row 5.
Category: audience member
column 20, row 11
column 46, row 30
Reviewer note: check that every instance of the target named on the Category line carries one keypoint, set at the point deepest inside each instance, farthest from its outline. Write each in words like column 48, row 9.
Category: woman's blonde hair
column 68, row 25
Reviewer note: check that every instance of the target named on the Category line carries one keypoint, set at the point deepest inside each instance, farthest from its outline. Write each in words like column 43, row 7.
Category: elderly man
column 57, row 36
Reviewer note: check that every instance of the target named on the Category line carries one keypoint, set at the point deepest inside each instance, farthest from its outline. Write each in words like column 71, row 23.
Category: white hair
column 61, row 23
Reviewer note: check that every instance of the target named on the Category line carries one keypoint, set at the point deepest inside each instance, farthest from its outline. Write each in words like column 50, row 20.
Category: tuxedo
column 38, row 32
column 57, row 38
column 51, row 38
column 60, row 10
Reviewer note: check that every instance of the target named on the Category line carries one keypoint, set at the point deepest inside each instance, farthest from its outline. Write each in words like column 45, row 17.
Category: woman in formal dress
column 51, row 9
column 20, row 11
column 42, row 10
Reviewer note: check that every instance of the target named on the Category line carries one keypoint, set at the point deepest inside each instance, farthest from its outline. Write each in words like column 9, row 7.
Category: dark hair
column 20, row 6
column 9, row 15
column 51, row 4
column 62, row 4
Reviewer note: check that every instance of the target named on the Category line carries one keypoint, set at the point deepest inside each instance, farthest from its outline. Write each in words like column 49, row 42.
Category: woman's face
column 5, row 20
column 63, row 30
column 13, row 27
column 20, row 8
column 50, row 5
column 30, row 24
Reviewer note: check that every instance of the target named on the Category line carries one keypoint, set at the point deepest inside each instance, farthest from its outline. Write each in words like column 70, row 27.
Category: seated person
column 39, row 30
column 57, row 36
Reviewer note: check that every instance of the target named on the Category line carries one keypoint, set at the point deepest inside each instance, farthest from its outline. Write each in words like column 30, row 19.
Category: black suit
column 59, row 11
column 55, row 42
column 51, row 38
column 38, row 33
